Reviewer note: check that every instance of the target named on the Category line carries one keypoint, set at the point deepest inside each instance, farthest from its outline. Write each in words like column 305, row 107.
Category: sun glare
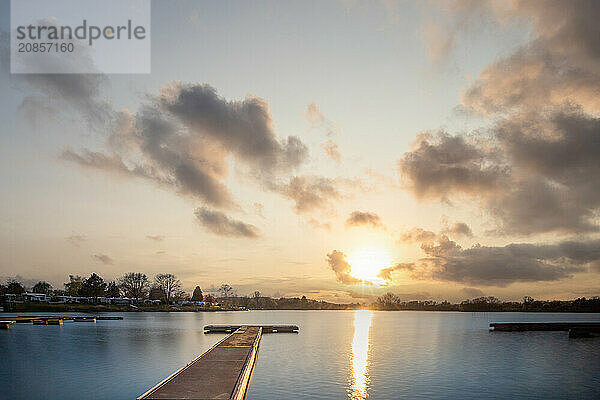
column 366, row 264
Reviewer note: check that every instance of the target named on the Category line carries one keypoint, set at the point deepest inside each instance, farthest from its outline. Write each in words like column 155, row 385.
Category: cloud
column 338, row 264
column 470, row 292
column 319, row 225
column 243, row 127
column 103, row 258
column 440, row 165
column 417, row 235
column 534, row 172
column 79, row 91
column 310, row 193
column 560, row 64
column 96, row 160
column 364, row 218
column 465, row 16
column 76, row 240
column 386, row 273
column 314, row 115
column 332, row 150
column 317, row 120
column 501, row 266
column 220, row 224
column 535, row 169
column 458, row 229
column 556, row 156
column 259, row 209
column 155, row 238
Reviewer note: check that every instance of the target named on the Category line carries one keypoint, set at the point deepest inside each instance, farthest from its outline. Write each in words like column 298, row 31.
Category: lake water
column 336, row 355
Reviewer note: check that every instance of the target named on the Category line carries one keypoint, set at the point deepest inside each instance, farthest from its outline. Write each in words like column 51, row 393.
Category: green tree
column 14, row 287
column 42, row 287
column 169, row 285
column 72, row 287
column 94, row 286
column 197, row 295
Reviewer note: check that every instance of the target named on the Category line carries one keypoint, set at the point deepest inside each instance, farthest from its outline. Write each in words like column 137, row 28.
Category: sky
column 334, row 149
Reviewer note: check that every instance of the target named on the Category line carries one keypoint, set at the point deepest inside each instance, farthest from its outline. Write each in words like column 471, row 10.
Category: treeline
column 258, row 302
column 132, row 285
column 390, row 301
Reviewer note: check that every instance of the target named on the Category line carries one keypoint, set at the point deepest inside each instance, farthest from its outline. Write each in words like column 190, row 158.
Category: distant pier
column 575, row 329
column 223, row 371
column 52, row 319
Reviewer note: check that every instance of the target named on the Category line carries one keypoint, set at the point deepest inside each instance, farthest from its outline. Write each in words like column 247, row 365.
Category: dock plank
column 222, row 372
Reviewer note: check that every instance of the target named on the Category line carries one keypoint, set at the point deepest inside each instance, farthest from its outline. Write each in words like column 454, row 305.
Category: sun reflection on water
column 359, row 381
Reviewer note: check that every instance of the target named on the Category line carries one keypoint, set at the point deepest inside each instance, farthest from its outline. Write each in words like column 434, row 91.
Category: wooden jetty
column 222, row 372
column 575, row 329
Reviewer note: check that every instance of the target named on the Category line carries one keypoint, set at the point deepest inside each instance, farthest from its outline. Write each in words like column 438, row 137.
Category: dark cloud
column 561, row 63
column 470, row 292
column 536, row 169
column 501, row 266
column 440, row 165
column 541, row 176
column 458, row 229
column 155, row 238
column 558, row 189
column 103, row 258
column 338, row 264
column 364, row 218
column 183, row 137
column 220, row 224
column 81, row 92
column 244, row 128
column 310, row 193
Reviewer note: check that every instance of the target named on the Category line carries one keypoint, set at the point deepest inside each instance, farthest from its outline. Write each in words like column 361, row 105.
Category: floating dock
column 223, row 371
column 575, row 329
column 78, row 318
column 541, row 326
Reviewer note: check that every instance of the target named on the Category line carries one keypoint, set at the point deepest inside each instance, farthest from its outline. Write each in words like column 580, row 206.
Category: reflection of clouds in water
column 359, row 379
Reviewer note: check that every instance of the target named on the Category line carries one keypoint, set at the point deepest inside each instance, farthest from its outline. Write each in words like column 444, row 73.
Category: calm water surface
column 336, row 355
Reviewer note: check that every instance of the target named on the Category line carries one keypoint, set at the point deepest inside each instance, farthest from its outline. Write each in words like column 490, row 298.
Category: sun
column 366, row 264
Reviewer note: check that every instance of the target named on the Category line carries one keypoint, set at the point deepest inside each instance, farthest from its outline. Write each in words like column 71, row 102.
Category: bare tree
column 134, row 285
column 169, row 285
column 226, row 290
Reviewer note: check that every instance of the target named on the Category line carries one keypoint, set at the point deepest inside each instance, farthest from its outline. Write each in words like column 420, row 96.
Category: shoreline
column 87, row 308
